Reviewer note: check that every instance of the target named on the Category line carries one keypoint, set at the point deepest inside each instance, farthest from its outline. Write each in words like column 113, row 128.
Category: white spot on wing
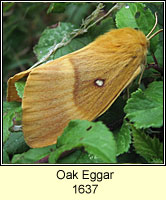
column 99, row 82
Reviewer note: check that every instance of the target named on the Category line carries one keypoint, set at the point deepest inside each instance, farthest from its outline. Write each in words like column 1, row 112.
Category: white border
column 77, row 164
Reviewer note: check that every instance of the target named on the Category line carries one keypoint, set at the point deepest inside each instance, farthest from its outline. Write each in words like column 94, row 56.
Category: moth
column 80, row 85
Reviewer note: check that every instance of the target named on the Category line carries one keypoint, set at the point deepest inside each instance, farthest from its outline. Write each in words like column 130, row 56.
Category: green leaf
column 159, row 54
column 7, row 6
column 76, row 12
column 105, row 26
column 15, row 144
column 9, row 111
column 149, row 148
column 131, row 157
column 55, row 35
column 9, row 106
column 33, row 155
column 95, row 138
column 115, row 113
column 145, row 108
column 6, row 159
column 137, row 15
column 157, row 7
column 51, row 36
column 123, row 139
column 20, row 85
column 125, row 17
column 71, row 158
column 88, row 158
column 79, row 156
column 156, row 161
column 57, row 7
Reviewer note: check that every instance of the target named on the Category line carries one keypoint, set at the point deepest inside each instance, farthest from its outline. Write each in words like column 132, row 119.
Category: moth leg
column 142, row 72
column 128, row 90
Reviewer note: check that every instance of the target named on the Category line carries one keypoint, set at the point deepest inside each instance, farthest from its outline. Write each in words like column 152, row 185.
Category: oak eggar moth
column 80, row 85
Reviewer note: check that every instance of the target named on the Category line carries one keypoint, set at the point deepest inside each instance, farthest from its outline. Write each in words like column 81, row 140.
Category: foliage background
column 23, row 24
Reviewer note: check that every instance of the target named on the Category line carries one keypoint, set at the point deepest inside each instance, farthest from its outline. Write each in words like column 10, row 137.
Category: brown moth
column 80, row 85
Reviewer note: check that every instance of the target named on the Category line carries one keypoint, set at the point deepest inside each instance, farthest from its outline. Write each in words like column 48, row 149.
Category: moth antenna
column 155, row 34
column 153, row 26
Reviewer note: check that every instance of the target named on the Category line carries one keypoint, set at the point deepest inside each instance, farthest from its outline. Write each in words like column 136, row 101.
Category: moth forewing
column 11, row 90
